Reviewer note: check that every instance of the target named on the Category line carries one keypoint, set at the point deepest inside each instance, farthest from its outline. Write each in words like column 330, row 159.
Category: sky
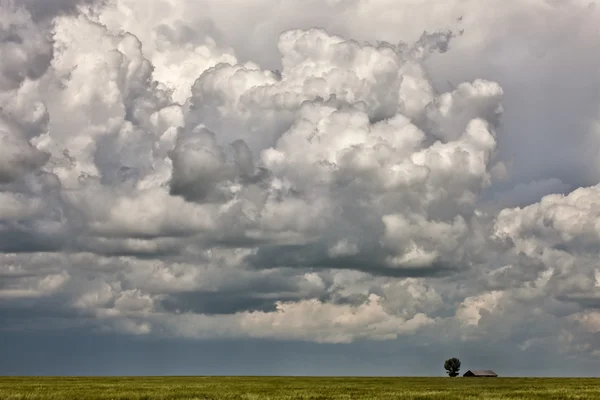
column 286, row 187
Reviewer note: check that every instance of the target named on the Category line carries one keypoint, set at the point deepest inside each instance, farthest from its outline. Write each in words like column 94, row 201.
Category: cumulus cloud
column 164, row 172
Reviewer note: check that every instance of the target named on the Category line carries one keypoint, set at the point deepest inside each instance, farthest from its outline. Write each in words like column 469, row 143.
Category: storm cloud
column 323, row 171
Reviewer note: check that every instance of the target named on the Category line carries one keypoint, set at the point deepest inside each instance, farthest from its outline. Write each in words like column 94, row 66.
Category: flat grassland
column 276, row 388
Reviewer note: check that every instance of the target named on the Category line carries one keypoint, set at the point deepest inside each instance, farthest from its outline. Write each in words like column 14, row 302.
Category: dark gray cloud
column 46, row 9
column 85, row 354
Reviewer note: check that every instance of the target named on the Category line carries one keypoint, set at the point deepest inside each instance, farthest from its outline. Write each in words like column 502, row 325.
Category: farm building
column 480, row 373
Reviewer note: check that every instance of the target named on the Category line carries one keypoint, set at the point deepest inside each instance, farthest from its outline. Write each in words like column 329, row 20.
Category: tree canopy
column 452, row 366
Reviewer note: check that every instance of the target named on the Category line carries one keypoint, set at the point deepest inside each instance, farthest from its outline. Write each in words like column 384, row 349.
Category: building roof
column 481, row 372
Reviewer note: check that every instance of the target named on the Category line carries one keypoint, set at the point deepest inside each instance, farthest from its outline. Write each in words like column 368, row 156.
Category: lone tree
column 452, row 366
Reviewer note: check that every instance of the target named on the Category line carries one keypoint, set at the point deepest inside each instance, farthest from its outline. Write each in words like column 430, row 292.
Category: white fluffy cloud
column 167, row 168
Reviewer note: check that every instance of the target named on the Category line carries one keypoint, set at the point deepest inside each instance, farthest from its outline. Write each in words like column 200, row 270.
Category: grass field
column 253, row 388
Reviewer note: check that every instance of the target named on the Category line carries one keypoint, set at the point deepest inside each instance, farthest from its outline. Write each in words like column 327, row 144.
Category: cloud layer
column 329, row 173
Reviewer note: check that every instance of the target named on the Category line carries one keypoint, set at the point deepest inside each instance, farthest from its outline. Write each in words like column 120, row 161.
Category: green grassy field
column 253, row 388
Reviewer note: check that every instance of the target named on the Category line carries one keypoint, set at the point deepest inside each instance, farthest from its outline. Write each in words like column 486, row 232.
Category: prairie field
column 275, row 388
